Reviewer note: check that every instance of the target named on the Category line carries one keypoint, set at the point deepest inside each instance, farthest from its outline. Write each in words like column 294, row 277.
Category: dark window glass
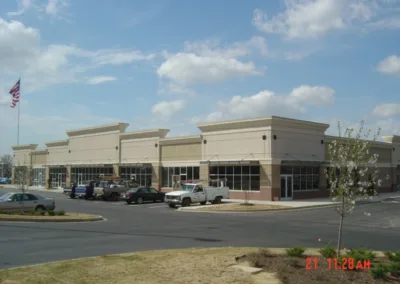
column 286, row 170
column 255, row 183
column 229, row 182
column 237, row 170
column 315, row 170
column 315, row 181
column 183, row 170
column 170, row 174
column 213, row 170
column 245, row 170
column 297, row 182
column 255, row 170
column 296, row 170
column 237, row 182
column 303, row 170
column 309, row 182
column 164, row 182
column 245, row 182
column 303, row 182
column 149, row 170
column 229, row 170
column 190, row 173
column 222, row 170
column 196, row 172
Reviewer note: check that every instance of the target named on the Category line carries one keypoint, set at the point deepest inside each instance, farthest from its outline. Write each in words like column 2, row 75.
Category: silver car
column 12, row 201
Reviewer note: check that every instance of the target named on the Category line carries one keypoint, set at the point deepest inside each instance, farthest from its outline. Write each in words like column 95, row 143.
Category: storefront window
column 58, row 177
column 304, row 178
column 80, row 175
column 141, row 175
column 238, row 177
column 186, row 173
column 39, row 177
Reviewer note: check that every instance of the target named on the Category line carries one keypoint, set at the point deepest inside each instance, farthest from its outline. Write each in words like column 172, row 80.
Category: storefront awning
column 302, row 163
column 135, row 165
column 240, row 162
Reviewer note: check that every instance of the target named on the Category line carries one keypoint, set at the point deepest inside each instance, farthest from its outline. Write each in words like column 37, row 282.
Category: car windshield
column 187, row 187
column 6, row 196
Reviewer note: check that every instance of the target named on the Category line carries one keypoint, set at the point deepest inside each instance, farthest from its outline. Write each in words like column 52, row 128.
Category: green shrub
column 60, row 213
column 328, row 251
column 360, row 255
column 51, row 213
column 379, row 271
column 295, row 252
column 394, row 269
column 393, row 256
column 293, row 262
column 42, row 212
column 31, row 212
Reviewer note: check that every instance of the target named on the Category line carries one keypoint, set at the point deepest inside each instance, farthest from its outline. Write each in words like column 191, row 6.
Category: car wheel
column 203, row 203
column 114, row 196
column 186, row 202
column 139, row 200
column 128, row 202
column 40, row 208
column 217, row 200
column 171, row 205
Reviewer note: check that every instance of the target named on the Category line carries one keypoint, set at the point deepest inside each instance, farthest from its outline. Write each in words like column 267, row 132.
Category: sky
column 177, row 63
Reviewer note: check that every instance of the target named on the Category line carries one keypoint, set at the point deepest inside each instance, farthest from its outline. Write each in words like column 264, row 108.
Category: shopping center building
column 273, row 158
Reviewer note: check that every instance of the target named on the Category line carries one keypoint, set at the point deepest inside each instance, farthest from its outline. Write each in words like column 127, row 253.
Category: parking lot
column 153, row 226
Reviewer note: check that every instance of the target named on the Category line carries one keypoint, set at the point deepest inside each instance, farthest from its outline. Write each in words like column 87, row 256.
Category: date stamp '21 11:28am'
column 335, row 264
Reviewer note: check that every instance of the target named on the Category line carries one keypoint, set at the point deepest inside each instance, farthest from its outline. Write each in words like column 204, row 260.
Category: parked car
column 85, row 190
column 195, row 193
column 109, row 190
column 142, row 194
column 5, row 180
column 12, row 201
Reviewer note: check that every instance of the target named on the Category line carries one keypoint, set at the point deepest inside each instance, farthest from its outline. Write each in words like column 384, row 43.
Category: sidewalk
column 317, row 202
column 35, row 188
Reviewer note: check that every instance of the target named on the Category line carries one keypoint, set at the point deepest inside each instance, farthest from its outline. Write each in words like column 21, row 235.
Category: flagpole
column 19, row 107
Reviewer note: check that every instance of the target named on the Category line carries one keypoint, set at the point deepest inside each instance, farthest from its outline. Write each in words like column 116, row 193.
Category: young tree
column 6, row 162
column 350, row 160
column 21, row 179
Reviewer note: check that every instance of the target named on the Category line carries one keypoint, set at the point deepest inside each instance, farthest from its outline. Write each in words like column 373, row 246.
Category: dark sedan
column 142, row 194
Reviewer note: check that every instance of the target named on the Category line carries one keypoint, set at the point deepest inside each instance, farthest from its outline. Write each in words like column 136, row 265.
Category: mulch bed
column 293, row 270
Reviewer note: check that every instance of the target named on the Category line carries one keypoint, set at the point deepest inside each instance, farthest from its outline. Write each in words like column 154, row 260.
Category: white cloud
column 315, row 18
column 23, row 6
column 168, row 108
column 172, row 88
column 53, row 7
column 386, row 110
column 208, row 62
column 5, row 99
column 390, row 65
column 100, row 79
column 21, row 49
column 267, row 103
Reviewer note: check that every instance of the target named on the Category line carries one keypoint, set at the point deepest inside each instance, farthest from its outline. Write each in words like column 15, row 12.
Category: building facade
column 270, row 158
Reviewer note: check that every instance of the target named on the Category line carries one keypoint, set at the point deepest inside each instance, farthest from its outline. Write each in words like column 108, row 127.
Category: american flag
column 15, row 94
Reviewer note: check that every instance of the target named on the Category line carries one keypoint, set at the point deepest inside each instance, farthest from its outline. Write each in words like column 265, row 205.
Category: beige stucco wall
column 396, row 154
column 94, row 148
column 237, row 144
column 140, row 150
column 39, row 159
column 296, row 144
column 57, row 155
column 22, row 158
column 385, row 154
column 180, row 153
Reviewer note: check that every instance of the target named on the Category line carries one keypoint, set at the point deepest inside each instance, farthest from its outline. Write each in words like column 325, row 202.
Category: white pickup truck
column 195, row 193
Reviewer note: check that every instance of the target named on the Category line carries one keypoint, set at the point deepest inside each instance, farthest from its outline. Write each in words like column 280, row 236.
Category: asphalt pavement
column 153, row 226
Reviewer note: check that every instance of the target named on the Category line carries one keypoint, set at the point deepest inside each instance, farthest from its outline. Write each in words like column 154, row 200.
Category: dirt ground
column 194, row 266
column 292, row 270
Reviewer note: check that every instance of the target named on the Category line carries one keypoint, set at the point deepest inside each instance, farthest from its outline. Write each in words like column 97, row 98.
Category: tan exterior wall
column 236, row 145
column 292, row 144
column 140, row 150
column 396, row 154
column 180, row 153
column 39, row 160
column 384, row 154
column 94, row 148
column 58, row 155
column 22, row 158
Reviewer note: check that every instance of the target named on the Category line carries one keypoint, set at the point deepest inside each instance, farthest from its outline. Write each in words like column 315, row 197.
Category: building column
column 270, row 186
column 155, row 176
column 205, row 173
column 116, row 170
column 68, row 176
column 323, row 181
column 47, row 178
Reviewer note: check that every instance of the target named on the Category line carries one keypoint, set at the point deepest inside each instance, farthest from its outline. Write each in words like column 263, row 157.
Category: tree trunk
column 339, row 243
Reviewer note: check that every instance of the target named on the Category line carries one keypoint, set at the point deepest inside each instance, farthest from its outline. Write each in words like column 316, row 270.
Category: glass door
column 59, row 180
column 286, row 187
column 80, row 179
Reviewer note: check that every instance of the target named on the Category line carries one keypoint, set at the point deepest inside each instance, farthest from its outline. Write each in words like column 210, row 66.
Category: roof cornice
column 98, row 129
column 24, row 147
column 152, row 133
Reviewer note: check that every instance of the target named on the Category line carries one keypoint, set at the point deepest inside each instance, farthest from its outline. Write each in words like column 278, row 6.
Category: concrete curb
column 55, row 220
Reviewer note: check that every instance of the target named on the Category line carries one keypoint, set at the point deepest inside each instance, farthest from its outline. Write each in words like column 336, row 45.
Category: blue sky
column 176, row 63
